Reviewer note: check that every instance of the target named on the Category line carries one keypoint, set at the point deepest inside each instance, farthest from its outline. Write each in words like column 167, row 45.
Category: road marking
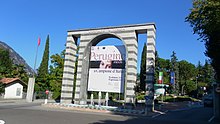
column 210, row 120
column 2, row 122
column 160, row 113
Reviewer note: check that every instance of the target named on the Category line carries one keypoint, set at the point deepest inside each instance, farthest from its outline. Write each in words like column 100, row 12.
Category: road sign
column 47, row 91
column 146, row 98
column 217, row 89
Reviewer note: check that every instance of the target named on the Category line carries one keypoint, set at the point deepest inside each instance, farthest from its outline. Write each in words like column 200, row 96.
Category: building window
column 18, row 92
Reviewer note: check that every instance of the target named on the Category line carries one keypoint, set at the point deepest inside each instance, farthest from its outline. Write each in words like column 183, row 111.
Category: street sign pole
column 47, row 92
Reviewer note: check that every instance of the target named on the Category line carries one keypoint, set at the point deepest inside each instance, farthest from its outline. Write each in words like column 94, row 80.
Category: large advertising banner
column 107, row 69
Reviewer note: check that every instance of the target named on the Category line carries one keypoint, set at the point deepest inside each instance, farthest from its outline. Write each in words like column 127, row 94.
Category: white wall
column 12, row 91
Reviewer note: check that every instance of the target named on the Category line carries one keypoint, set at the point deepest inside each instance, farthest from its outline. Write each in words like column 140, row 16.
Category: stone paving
column 161, row 108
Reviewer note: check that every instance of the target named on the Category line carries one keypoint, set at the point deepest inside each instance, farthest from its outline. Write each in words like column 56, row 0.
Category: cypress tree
column 41, row 81
column 157, row 67
column 208, row 73
column 143, row 69
column 175, row 68
column 43, row 69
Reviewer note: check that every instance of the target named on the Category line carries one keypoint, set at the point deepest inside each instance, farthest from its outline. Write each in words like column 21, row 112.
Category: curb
column 116, row 109
column 99, row 108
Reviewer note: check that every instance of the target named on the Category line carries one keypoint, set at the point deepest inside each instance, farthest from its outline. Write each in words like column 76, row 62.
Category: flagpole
column 35, row 61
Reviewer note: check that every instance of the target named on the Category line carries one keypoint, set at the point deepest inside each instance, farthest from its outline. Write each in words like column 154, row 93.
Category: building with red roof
column 14, row 88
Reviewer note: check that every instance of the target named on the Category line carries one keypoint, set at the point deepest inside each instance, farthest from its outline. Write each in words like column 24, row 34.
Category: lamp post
column 196, row 86
column 197, row 92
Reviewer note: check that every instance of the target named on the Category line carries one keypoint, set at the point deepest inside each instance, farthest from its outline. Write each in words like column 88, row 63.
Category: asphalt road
column 197, row 115
column 33, row 113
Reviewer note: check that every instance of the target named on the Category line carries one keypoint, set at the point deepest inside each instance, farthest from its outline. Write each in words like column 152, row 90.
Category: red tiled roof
column 8, row 80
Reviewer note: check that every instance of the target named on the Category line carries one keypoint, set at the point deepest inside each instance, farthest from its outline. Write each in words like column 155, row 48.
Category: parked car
column 208, row 100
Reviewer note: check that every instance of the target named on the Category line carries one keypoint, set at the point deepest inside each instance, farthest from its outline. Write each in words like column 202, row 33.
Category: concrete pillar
column 30, row 90
column 150, row 65
column 68, row 72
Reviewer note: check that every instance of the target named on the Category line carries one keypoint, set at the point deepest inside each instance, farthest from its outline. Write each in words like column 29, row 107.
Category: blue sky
column 22, row 22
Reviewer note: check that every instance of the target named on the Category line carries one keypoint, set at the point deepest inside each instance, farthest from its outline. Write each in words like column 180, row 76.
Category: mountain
column 16, row 58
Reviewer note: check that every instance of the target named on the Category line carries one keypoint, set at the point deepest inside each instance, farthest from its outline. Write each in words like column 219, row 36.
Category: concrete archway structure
column 90, row 37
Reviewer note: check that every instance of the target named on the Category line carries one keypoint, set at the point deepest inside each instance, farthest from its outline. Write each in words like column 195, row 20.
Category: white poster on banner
column 107, row 69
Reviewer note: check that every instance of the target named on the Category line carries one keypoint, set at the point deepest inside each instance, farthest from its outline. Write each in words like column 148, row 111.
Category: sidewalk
column 12, row 100
column 2, row 101
column 170, row 106
column 177, row 106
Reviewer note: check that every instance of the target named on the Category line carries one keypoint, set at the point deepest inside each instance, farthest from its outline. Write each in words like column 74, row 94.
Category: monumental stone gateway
column 128, row 34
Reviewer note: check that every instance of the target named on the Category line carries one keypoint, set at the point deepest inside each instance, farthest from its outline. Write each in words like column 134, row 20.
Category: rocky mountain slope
column 16, row 58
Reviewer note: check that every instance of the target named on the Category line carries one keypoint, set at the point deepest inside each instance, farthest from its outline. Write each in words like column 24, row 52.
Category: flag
column 172, row 77
column 38, row 43
column 160, row 81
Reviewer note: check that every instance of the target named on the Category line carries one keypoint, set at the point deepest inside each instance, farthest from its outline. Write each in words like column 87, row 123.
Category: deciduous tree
column 186, row 74
column 205, row 20
column 56, row 74
column 5, row 63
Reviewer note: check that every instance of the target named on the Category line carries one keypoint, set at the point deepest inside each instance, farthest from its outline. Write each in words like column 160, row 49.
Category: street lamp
column 197, row 85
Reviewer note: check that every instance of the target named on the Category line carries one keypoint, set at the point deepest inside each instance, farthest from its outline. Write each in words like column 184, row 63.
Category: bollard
column 45, row 101
column 100, row 96
column 106, row 99
column 91, row 102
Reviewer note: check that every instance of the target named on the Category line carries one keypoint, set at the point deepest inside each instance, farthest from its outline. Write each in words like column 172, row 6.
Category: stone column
column 68, row 72
column 150, row 65
column 82, row 70
column 130, row 39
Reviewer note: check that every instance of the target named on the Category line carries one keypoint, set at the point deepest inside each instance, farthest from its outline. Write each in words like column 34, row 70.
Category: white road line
column 210, row 120
column 160, row 113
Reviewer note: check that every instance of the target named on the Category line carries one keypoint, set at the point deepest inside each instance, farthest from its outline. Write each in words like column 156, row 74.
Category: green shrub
column 2, row 88
column 140, row 97
column 177, row 99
